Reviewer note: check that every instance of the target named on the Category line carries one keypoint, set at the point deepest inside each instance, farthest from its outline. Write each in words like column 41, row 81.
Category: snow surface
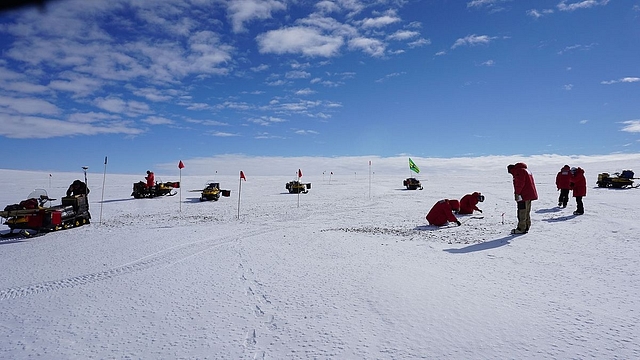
column 347, row 271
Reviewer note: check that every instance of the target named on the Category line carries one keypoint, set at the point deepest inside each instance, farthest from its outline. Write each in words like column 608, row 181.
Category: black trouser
column 580, row 205
column 564, row 197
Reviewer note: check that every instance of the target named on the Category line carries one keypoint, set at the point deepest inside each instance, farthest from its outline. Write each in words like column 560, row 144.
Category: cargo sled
column 617, row 180
column 412, row 184
column 33, row 216
column 296, row 187
column 140, row 189
column 212, row 192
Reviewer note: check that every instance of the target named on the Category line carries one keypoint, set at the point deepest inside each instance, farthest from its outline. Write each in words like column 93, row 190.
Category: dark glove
column 458, row 222
column 480, row 211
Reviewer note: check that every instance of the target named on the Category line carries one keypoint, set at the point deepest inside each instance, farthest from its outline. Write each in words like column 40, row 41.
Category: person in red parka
column 469, row 203
column 151, row 179
column 524, row 191
column 579, row 187
column 442, row 213
column 563, row 183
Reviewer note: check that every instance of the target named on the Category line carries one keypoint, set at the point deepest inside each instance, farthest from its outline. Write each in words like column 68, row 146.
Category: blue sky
column 153, row 82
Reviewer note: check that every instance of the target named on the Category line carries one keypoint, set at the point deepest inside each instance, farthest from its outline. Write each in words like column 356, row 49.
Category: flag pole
column 104, row 177
column 180, row 166
column 240, row 190
column 369, row 179
column 299, row 184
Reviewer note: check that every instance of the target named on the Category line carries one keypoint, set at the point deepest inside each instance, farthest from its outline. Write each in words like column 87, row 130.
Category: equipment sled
column 621, row 180
column 31, row 216
column 412, row 184
column 140, row 189
column 212, row 192
column 296, row 187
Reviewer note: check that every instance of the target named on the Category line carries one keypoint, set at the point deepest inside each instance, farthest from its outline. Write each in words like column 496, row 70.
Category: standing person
column 151, row 179
column 563, row 183
column 469, row 203
column 442, row 213
column 579, row 186
column 524, row 190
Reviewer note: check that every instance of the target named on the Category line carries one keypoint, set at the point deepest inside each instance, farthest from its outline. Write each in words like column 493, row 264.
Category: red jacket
column 468, row 203
column 563, row 179
column 151, row 179
column 440, row 214
column 523, row 183
column 579, row 183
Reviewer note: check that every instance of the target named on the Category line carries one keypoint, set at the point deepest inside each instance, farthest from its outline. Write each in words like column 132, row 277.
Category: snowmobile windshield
column 40, row 195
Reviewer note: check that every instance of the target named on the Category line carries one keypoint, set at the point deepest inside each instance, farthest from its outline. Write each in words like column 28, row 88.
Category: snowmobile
column 212, row 192
column 622, row 180
column 32, row 217
column 296, row 187
column 412, row 184
column 140, row 189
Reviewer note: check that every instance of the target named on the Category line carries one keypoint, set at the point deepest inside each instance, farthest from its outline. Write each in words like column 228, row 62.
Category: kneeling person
column 442, row 213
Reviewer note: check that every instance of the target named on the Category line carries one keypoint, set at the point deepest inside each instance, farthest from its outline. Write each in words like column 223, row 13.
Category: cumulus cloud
column 243, row 11
column 373, row 47
column 299, row 40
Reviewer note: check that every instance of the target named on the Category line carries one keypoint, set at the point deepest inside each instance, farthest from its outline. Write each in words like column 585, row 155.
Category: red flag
column 299, row 173
column 242, row 176
column 180, row 165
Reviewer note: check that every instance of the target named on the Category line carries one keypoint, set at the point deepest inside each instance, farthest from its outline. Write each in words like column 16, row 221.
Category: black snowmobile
column 32, row 216
column 412, row 184
column 296, row 187
column 621, row 180
column 140, row 189
column 212, row 192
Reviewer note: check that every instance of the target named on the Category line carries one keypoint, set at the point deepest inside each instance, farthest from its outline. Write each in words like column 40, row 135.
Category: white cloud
column 305, row 91
column 584, row 121
column 538, row 14
column 568, row 87
column 622, row 80
column 370, row 46
column 585, row 4
column 119, row 106
column 30, row 106
column 488, row 63
column 306, row 132
column 157, row 120
column 297, row 75
column 223, row 134
column 632, row 126
column 419, row 42
column 299, row 40
column 440, row 53
column 472, row 40
column 403, row 35
column 33, row 127
column 380, row 21
column 243, row 11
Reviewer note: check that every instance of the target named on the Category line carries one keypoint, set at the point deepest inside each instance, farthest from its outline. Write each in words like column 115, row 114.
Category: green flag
column 413, row 167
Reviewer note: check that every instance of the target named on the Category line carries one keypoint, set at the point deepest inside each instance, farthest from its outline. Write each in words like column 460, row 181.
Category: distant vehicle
column 412, row 184
column 31, row 216
column 618, row 180
column 296, row 187
column 140, row 189
column 212, row 192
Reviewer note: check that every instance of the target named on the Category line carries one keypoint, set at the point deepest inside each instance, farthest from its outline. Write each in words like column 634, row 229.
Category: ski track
column 161, row 259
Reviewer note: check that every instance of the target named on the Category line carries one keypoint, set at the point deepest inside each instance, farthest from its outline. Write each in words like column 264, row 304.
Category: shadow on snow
column 482, row 246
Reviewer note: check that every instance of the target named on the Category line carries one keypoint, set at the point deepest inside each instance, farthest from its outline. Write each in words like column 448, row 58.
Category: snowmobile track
column 164, row 258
